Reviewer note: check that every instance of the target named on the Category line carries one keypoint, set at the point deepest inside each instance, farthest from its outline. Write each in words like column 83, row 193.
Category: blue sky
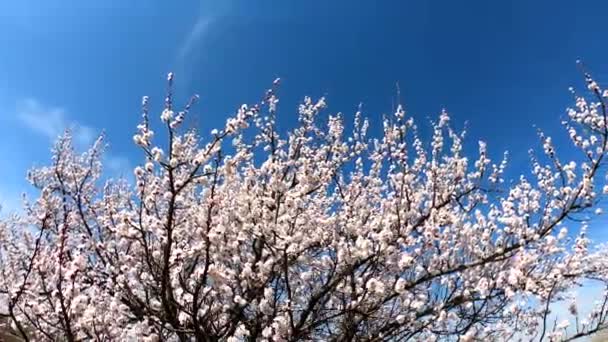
column 503, row 66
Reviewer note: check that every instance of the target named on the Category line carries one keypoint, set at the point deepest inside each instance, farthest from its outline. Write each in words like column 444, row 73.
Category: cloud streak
column 51, row 122
column 194, row 36
column 207, row 19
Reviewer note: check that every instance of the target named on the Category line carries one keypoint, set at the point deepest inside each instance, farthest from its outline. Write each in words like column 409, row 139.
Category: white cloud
column 209, row 13
column 51, row 122
column 194, row 36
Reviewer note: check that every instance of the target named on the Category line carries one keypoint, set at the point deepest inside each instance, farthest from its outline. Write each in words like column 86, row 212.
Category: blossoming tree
column 318, row 234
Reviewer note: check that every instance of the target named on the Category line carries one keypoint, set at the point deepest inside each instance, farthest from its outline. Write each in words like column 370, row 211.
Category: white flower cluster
column 316, row 234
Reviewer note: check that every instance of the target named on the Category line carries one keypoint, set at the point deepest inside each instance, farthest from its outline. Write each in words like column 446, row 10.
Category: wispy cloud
column 209, row 15
column 203, row 26
column 51, row 122
column 194, row 36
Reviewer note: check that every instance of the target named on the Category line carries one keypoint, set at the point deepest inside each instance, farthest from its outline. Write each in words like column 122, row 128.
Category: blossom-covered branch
column 314, row 234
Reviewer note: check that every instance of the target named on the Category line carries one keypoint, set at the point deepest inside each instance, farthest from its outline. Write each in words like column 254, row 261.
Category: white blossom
column 317, row 233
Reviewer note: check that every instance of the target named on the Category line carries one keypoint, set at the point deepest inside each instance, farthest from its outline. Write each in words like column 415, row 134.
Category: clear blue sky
column 501, row 65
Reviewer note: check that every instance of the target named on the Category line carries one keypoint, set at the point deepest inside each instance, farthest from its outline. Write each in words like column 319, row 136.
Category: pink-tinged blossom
column 317, row 233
